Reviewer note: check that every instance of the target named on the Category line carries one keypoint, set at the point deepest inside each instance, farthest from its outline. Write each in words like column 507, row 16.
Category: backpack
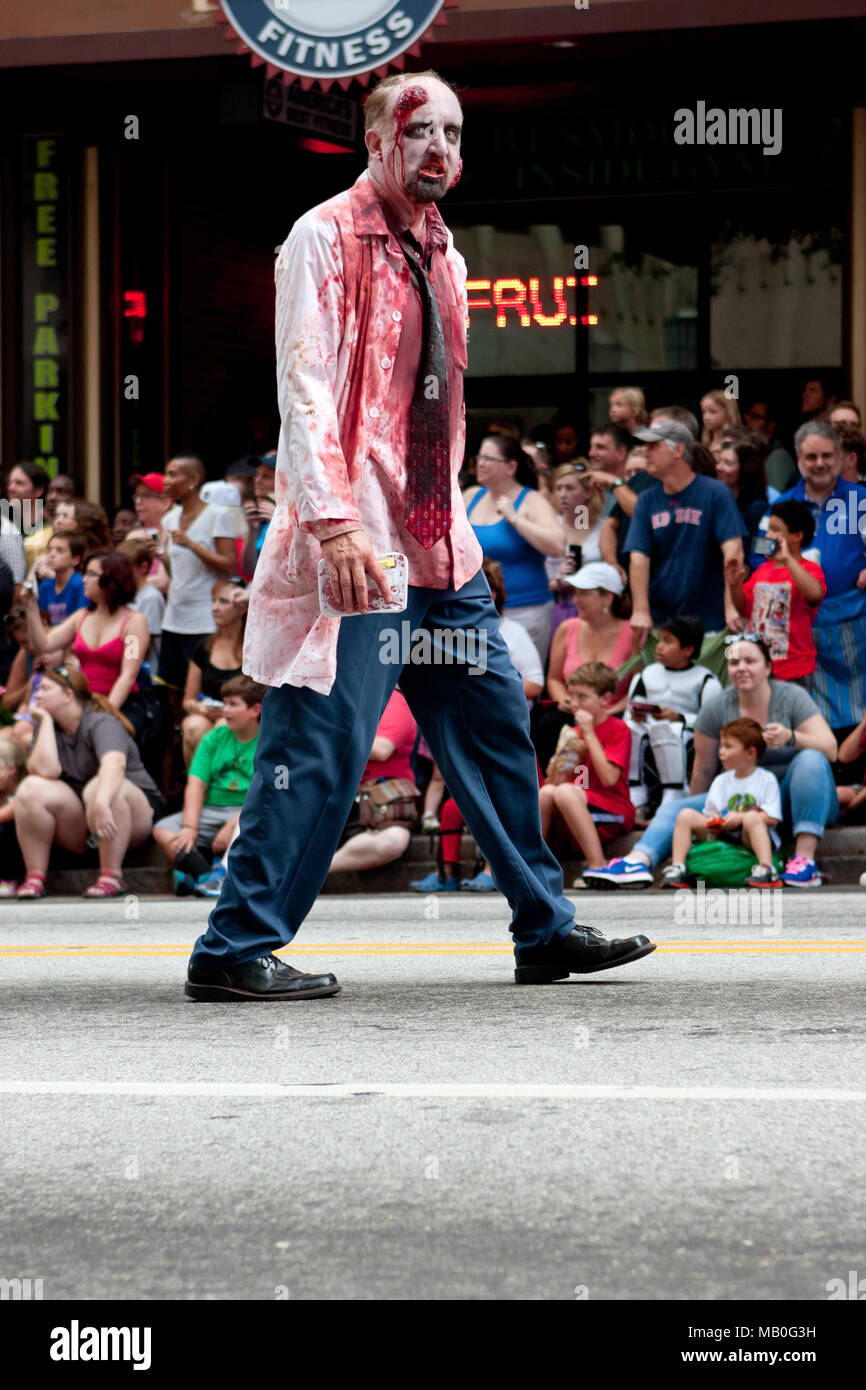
column 723, row 864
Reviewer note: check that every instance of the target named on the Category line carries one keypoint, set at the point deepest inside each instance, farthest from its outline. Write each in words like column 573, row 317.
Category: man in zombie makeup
column 371, row 347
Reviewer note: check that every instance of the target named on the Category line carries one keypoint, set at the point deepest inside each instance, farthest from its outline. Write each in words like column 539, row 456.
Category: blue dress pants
column 310, row 757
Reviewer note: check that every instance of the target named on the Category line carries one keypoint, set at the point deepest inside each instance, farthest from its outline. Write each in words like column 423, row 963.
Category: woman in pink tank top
column 108, row 639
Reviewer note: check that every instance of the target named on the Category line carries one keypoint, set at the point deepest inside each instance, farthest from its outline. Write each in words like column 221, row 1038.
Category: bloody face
column 421, row 152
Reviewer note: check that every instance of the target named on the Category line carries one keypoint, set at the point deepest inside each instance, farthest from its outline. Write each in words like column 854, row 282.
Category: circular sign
column 330, row 40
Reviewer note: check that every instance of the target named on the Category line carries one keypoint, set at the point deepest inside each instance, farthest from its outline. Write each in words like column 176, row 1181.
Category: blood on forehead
column 408, row 101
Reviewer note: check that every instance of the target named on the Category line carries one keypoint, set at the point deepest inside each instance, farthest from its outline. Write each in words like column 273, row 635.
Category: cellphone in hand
column 765, row 545
column 645, row 707
column 396, row 569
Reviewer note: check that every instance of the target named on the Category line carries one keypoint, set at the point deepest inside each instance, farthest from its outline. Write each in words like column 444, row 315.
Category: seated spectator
column 566, row 443
column 517, row 528
column 63, row 594
column 85, row 776
column 108, row 639
column 817, row 402
column 682, row 531
column 626, row 406
column 678, row 413
column 846, row 413
column 79, row 517
column 218, row 782
column 780, row 469
column 664, row 700
column 743, row 804
column 524, row 659
column 25, row 674
column 579, row 507
column 201, row 548
column 839, row 630
column 852, row 797
column 851, row 447
column 718, row 412
column 599, row 633
column 148, row 598
column 12, row 552
column 740, row 466
column 216, row 659
column 151, row 505
column 27, row 484
column 800, row 749
column 7, row 598
column 389, row 757
column 258, row 512
column 124, row 522
column 781, row 599
column 635, row 462
column 539, row 457
column 589, row 798
column 13, row 759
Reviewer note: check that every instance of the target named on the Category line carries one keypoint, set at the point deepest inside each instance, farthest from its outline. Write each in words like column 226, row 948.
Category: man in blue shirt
column 683, row 530
column 839, row 509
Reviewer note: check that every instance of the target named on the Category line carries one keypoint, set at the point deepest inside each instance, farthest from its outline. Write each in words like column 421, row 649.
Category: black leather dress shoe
column 582, row 952
column 265, row 978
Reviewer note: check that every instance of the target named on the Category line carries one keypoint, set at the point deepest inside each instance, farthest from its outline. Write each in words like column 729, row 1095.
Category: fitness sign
column 328, row 41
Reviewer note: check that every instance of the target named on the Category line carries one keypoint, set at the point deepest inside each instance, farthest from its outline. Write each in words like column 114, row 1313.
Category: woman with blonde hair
column 86, row 784
column 578, row 506
column 719, row 413
column 626, row 406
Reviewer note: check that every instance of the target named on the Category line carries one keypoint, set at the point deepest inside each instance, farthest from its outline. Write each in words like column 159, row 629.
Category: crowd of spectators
column 679, row 585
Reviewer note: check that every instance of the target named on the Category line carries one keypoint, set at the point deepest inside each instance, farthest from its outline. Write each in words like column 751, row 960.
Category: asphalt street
column 690, row 1127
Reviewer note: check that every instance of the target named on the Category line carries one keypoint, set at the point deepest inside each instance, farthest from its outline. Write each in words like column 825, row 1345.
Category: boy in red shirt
column 590, row 798
column 782, row 597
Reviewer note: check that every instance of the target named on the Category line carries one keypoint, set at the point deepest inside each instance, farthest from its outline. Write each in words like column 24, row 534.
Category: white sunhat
column 596, row 575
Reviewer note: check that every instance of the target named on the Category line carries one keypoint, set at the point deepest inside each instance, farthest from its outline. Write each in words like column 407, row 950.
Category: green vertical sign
column 44, row 303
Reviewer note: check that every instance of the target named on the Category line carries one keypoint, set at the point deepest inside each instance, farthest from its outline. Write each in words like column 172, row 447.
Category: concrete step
column 841, row 854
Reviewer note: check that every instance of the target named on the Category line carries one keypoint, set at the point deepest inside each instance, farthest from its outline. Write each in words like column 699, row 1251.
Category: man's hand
column 350, row 558
column 735, row 571
column 641, row 622
column 672, row 715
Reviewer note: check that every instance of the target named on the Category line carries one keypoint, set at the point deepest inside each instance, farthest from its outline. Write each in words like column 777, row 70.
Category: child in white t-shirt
column 744, row 798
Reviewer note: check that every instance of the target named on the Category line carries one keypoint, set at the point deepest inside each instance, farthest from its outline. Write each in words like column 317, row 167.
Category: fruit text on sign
column 530, row 302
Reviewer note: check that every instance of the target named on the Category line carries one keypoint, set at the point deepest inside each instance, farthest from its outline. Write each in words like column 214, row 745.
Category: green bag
column 723, row 864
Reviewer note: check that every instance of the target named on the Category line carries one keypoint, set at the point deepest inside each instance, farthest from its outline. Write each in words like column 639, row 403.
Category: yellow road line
column 343, row 948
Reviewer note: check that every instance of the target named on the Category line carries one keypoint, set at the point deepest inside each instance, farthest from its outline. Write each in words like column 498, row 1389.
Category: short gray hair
column 819, row 427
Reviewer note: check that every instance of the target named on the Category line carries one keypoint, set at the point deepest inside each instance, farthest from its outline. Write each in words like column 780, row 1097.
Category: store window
column 777, row 303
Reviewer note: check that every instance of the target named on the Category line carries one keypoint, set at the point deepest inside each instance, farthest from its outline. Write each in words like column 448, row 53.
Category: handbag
column 388, row 801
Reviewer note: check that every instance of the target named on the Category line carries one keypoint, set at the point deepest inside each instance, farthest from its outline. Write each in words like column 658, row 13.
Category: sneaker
column 801, row 872
column 619, row 873
column 481, row 883
column 210, row 885
column 433, row 884
column 763, row 876
column 429, row 823
column 675, row 876
column 184, row 884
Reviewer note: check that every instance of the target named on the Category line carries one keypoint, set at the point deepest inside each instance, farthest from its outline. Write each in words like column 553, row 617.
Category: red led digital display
column 135, row 308
column 517, row 301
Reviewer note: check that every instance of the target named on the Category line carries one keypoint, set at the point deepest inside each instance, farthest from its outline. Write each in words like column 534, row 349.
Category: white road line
column 422, row 1090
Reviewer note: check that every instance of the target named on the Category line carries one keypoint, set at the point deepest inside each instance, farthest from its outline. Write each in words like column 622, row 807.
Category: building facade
column 648, row 198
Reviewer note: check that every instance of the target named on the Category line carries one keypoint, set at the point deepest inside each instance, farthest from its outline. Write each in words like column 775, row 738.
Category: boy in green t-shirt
column 219, row 778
